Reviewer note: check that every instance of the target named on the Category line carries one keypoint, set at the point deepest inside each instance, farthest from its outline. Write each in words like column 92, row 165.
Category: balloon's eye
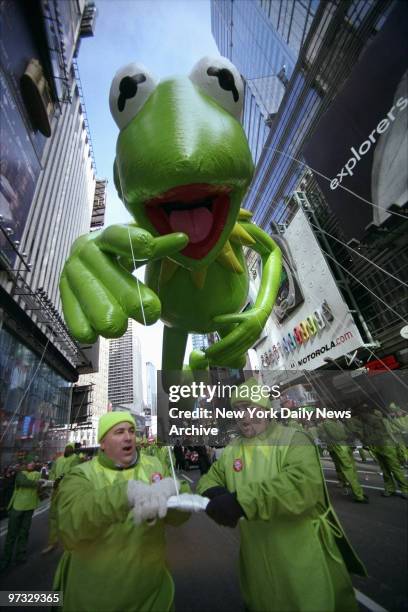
column 128, row 88
column 220, row 79
column 131, row 87
column 225, row 79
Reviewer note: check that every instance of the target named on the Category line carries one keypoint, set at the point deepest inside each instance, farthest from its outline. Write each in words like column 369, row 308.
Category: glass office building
column 263, row 40
column 322, row 46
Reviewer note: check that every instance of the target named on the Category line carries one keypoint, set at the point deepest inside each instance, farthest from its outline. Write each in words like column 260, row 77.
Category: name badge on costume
column 156, row 476
column 238, row 465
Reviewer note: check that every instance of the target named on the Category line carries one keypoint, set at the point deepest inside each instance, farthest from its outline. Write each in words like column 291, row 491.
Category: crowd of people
column 109, row 514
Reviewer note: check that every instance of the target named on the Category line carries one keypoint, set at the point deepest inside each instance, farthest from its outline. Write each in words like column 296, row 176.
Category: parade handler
column 24, row 501
column 294, row 554
column 61, row 466
column 110, row 515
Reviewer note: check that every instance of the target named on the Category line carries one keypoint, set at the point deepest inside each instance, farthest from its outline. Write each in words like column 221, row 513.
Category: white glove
column 187, row 502
column 149, row 501
column 46, row 483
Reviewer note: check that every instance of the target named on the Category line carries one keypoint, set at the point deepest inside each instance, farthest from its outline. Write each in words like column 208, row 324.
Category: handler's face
column 119, row 444
column 251, row 427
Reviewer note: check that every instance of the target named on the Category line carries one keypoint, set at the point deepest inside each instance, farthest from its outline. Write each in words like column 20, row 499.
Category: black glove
column 225, row 510
column 214, row 491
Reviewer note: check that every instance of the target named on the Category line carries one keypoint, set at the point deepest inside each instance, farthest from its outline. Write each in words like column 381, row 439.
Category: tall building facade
column 94, row 401
column 200, row 342
column 263, row 40
column 151, row 388
column 335, row 49
column 125, row 389
column 47, row 185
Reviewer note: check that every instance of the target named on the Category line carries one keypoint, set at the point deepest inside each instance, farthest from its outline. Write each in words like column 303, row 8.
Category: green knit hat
column 251, row 391
column 110, row 419
column 70, row 445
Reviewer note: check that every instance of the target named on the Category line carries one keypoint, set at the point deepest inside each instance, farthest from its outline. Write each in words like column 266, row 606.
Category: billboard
column 320, row 326
column 361, row 142
column 290, row 294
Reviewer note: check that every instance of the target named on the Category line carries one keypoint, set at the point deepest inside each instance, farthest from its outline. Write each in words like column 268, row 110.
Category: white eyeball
column 219, row 78
column 131, row 87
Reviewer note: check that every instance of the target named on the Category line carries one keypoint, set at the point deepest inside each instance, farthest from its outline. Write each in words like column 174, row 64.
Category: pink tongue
column 196, row 223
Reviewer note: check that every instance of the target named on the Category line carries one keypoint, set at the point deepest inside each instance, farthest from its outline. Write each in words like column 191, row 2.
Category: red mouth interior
column 198, row 210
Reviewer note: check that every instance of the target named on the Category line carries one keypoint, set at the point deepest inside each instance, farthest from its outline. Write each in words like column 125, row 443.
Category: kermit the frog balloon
column 182, row 168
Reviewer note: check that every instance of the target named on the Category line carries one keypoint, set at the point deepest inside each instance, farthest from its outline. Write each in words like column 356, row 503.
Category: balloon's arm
column 251, row 322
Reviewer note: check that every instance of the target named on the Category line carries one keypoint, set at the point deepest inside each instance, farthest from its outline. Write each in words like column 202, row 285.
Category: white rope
column 173, row 470
column 26, row 390
column 360, row 254
column 387, row 368
column 137, row 280
column 367, row 288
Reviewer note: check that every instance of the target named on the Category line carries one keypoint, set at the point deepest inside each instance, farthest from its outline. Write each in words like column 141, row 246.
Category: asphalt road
column 203, row 557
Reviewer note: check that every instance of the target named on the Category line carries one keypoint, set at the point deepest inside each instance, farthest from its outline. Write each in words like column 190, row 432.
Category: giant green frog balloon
column 182, row 168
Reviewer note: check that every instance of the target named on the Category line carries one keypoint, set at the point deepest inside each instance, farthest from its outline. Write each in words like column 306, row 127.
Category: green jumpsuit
column 384, row 450
column 291, row 539
column 355, row 427
column 24, row 501
column 342, row 455
column 396, row 432
column 109, row 563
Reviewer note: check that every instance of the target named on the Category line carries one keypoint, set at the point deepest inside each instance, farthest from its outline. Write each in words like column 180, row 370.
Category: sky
column 168, row 37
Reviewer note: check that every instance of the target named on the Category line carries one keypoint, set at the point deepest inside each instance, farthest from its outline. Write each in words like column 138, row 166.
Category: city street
column 203, row 556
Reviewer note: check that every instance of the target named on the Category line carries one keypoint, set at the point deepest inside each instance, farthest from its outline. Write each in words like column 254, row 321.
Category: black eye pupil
column 225, row 79
column 128, row 89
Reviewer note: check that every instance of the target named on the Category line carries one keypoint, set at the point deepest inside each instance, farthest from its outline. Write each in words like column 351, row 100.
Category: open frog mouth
column 198, row 210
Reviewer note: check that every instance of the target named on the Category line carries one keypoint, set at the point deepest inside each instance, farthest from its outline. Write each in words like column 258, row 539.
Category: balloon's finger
column 99, row 306
column 235, row 344
column 74, row 316
column 127, row 241
column 168, row 245
column 229, row 318
column 136, row 300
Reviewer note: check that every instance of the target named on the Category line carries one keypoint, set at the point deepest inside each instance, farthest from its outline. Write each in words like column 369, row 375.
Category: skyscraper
column 47, row 184
column 96, row 384
column 331, row 51
column 125, row 388
column 263, row 40
column 151, row 391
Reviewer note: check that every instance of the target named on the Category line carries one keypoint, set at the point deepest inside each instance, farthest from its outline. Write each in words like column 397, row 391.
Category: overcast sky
column 168, row 37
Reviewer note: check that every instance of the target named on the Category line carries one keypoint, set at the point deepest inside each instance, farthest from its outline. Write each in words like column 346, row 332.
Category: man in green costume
column 61, row 466
column 109, row 514
column 293, row 550
column 24, row 501
column 383, row 447
column 335, row 433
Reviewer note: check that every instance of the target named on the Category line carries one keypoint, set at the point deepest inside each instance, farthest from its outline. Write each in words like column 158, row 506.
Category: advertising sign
column 290, row 294
column 321, row 325
column 361, row 143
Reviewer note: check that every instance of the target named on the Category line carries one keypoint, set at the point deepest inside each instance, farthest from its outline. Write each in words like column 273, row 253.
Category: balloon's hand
column 98, row 293
column 231, row 350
